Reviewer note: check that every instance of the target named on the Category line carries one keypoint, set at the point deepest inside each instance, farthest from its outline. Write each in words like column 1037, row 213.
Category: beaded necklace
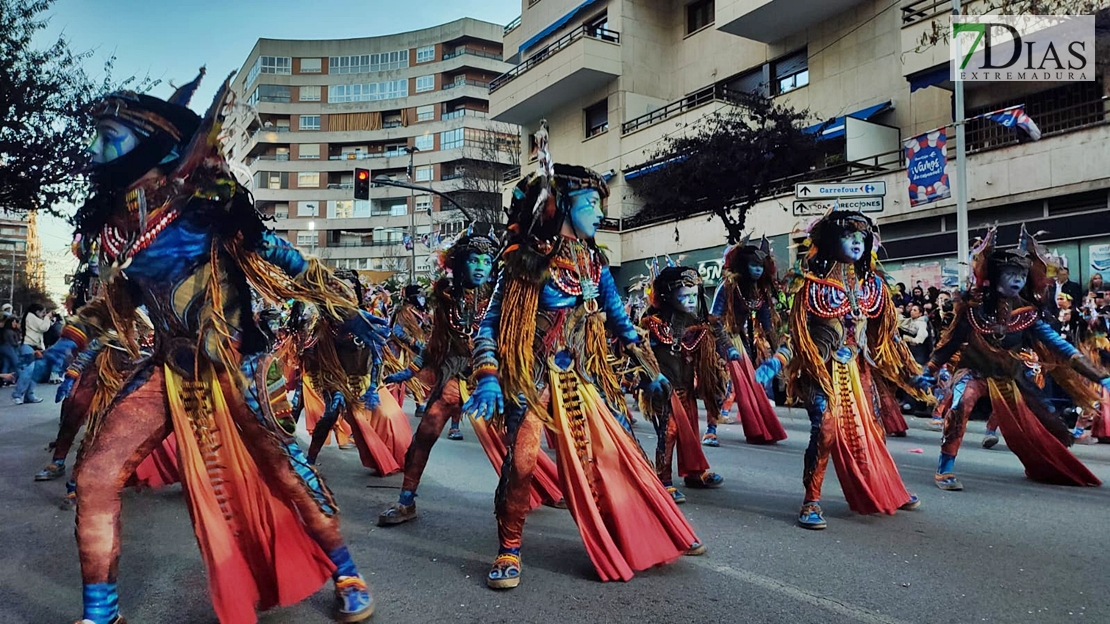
column 833, row 299
column 575, row 270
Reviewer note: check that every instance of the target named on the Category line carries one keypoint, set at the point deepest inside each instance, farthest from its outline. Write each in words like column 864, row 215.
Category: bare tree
column 939, row 31
column 482, row 171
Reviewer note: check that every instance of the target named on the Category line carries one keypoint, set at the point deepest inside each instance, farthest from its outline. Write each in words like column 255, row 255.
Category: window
column 424, row 203
column 699, row 14
column 423, row 174
column 270, row 65
column 310, row 66
column 362, row 208
column 361, row 64
column 425, row 83
column 270, row 93
column 344, row 209
column 309, row 151
column 398, row 210
column 309, row 122
column 308, row 209
column 425, row 142
column 272, row 180
column 281, row 211
column 754, row 82
column 426, row 54
column 426, row 113
column 308, row 179
column 451, row 139
column 306, row 239
column 791, row 72
column 597, row 118
column 368, row 92
column 310, row 93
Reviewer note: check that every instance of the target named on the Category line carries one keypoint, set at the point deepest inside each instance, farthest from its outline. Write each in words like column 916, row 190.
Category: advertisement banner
column 926, row 167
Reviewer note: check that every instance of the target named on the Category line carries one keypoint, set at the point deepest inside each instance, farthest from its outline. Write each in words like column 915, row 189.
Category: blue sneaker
column 677, row 496
column 505, row 572
column 454, row 434
column 710, row 439
column 353, row 600
column 912, row 504
column 706, row 480
column 810, row 517
column 948, row 482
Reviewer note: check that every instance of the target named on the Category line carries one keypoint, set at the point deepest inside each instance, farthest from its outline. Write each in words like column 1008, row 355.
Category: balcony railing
column 511, row 175
column 366, row 155
column 914, row 11
column 392, row 124
column 716, row 93
column 452, row 176
column 275, row 99
column 471, row 51
column 278, row 157
column 585, row 30
column 511, row 26
column 463, row 112
column 372, row 243
column 472, row 83
column 270, row 129
column 341, row 186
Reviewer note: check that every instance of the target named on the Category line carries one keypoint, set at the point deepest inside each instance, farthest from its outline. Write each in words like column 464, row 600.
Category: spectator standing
column 1095, row 283
column 35, row 324
column 6, row 312
column 10, row 337
column 1065, row 286
column 915, row 332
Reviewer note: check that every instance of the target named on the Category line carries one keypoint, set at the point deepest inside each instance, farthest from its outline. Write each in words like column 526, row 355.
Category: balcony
column 580, row 62
column 459, row 51
column 716, row 93
column 466, row 83
column 769, row 21
column 511, row 26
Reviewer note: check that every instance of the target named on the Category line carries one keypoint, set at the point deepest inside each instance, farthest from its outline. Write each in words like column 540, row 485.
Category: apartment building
column 13, row 255
column 412, row 107
column 613, row 77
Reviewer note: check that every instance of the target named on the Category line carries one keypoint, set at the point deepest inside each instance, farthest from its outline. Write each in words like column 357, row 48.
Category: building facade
column 613, row 77
column 14, row 235
column 412, row 107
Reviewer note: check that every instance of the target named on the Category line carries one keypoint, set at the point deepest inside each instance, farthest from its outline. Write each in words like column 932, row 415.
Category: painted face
column 755, row 270
column 686, row 298
column 478, row 269
column 112, row 141
column 585, row 213
column 852, row 246
column 1011, row 280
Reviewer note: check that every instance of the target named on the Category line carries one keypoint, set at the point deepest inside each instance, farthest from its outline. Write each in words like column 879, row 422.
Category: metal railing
column 715, row 93
column 371, row 243
column 276, row 99
column 471, row 83
column 609, row 225
column 276, row 157
column 473, row 52
column 914, row 11
column 463, row 112
column 340, row 186
column 585, row 30
column 452, row 176
column 270, row 129
column 511, row 26
column 511, row 175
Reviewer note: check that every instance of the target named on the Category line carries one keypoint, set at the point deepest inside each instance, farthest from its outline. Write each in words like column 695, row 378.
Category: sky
column 170, row 41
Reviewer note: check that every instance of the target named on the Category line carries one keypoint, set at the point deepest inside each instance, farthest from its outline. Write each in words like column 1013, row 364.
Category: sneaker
column 119, row 620
column 17, row 401
column 454, row 434
column 696, row 549
column 912, row 504
column 353, row 600
column 559, row 504
column 347, row 446
column 706, row 480
column 505, row 572
column 948, row 483
column 33, row 399
column 397, row 514
column 990, row 440
column 936, row 424
column 51, row 472
column 810, row 517
column 710, row 439
column 677, row 496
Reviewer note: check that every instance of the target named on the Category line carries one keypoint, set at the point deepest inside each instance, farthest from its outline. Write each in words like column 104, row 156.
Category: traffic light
column 362, row 184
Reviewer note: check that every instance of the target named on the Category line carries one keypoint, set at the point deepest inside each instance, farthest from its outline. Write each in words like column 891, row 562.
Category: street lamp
column 412, row 213
column 312, row 228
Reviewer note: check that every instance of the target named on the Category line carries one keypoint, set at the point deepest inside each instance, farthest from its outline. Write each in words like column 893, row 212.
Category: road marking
column 797, row 593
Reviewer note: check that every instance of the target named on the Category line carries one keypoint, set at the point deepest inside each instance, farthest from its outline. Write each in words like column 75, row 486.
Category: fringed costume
column 1006, row 348
column 690, row 349
column 745, row 304
column 412, row 325
column 459, row 305
column 182, row 238
column 544, row 341
column 842, row 330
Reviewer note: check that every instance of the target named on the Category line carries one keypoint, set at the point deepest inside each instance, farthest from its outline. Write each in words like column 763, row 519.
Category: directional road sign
column 818, row 207
column 864, row 188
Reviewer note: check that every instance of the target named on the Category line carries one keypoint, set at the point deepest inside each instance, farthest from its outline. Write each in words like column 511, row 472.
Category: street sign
column 818, row 207
column 864, row 188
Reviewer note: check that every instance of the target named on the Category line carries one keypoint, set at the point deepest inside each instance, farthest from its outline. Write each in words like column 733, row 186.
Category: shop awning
column 834, row 128
column 932, row 77
column 559, row 23
column 646, row 168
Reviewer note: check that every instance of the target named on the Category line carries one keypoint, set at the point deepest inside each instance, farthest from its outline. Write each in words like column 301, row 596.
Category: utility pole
column 412, row 214
column 962, row 250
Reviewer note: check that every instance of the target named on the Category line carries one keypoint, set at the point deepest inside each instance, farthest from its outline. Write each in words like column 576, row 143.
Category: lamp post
column 961, row 163
column 412, row 213
column 312, row 228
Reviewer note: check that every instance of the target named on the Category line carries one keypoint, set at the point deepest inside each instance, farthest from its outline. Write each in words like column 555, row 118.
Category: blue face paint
column 686, row 298
column 585, row 213
column 478, row 269
column 1011, row 280
column 755, row 270
column 852, row 246
column 112, row 141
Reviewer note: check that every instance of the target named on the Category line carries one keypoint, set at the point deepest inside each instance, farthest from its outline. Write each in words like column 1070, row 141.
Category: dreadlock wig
column 458, row 308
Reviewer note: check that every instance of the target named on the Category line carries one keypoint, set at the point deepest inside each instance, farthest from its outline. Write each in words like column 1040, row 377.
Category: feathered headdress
column 823, row 236
column 1030, row 255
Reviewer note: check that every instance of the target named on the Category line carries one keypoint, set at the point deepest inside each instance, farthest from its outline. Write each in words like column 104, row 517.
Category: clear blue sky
column 171, row 40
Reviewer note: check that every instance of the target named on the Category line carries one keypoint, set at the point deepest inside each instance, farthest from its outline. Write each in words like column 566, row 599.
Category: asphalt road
column 1004, row 550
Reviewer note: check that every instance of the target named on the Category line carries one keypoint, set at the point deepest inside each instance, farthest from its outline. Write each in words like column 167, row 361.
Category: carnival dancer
column 1094, row 425
column 459, row 304
column 689, row 348
column 843, row 336
column 745, row 304
column 1005, row 348
column 179, row 236
column 410, row 327
column 544, row 340
column 331, row 349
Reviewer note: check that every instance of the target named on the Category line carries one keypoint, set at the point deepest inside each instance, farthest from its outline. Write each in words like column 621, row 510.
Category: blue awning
column 632, row 174
column 834, row 128
column 930, row 77
column 562, row 21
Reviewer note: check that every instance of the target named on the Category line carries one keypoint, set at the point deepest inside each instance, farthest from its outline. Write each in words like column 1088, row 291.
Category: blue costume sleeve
column 719, row 300
column 281, row 253
column 485, row 343
column 616, row 317
column 1053, row 340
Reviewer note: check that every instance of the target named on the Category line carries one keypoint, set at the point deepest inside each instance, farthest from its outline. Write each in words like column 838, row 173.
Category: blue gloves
column 765, row 374
column 487, row 399
column 733, row 354
column 60, row 355
column 945, row 375
column 64, row 389
column 370, row 329
column 371, row 399
column 1105, row 382
column 659, row 388
column 922, row 382
column 400, row 376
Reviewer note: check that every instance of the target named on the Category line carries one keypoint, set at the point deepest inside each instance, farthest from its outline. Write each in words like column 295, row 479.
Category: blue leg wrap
column 101, row 603
column 407, row 497
column 947, row 464
column 344, row 566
